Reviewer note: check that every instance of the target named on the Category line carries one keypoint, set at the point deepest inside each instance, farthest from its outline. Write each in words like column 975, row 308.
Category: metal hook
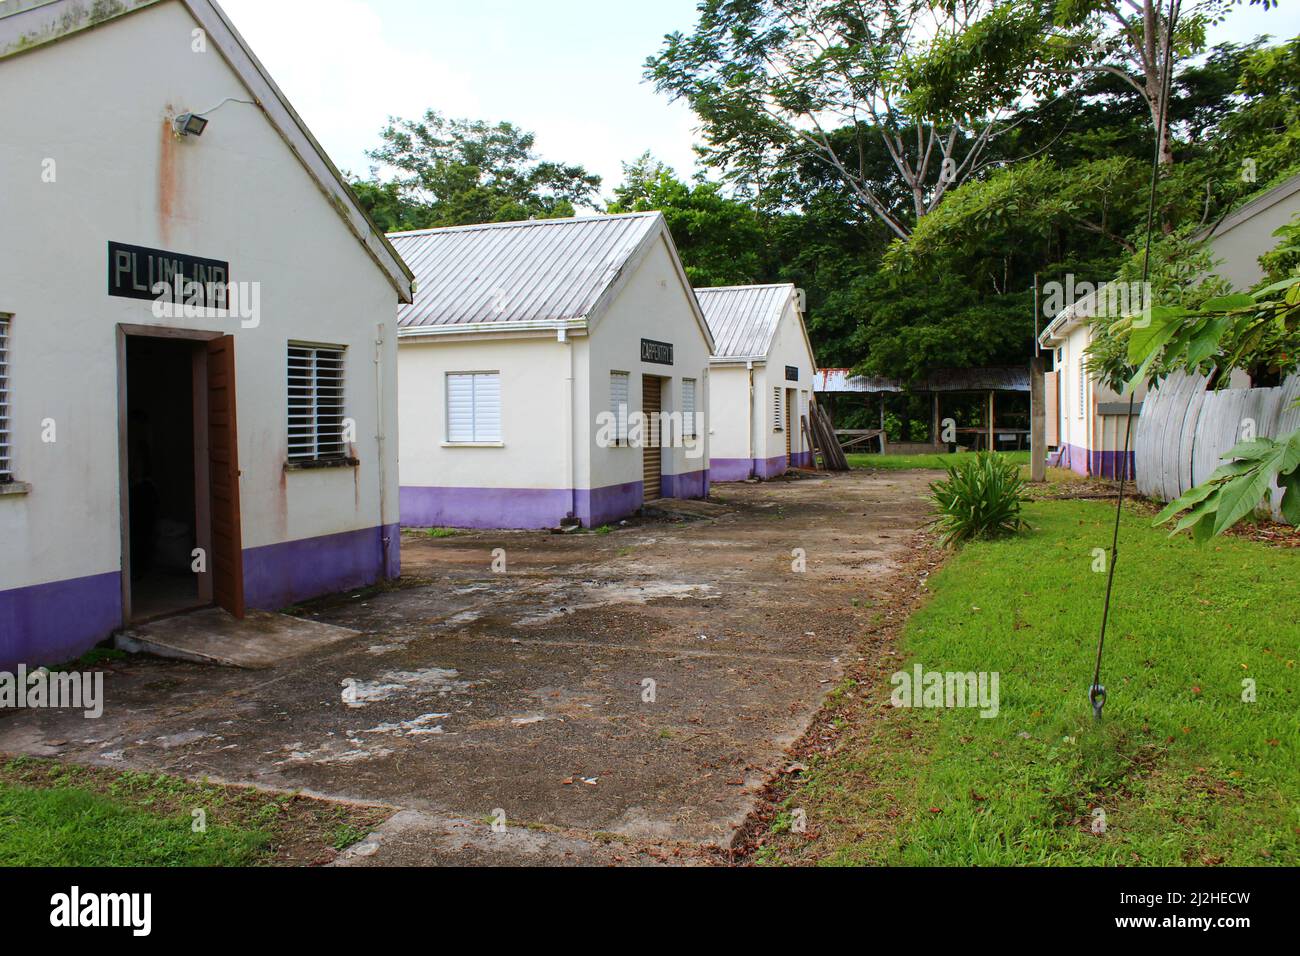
column 1097, row 695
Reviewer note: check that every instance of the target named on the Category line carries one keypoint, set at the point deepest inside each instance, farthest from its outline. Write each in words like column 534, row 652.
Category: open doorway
column 164, row 521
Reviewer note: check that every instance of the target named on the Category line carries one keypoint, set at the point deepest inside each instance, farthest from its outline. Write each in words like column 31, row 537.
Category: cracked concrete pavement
column 469, row 696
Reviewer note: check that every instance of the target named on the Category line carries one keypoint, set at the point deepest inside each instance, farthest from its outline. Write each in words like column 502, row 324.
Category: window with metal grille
column 6, row 451
column 778, row 419
column 619, row 402
column 688, row 408
column 473, row 407
column 316, row 402
column 1083, row 391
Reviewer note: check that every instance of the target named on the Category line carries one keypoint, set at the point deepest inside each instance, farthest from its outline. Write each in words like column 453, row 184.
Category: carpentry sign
column 658, row 353
column 792, row 373
column 135, row 272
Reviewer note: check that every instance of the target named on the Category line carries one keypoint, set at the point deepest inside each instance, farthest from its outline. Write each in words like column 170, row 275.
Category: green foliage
column 722, row 241
column 1186, row 771
column 980, row 498
column 454, row 172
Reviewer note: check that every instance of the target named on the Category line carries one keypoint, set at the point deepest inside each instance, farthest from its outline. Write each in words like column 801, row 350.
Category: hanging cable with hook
column 1097, row 692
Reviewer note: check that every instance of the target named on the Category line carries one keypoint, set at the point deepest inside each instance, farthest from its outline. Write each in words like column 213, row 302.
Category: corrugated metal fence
column 1184, row 430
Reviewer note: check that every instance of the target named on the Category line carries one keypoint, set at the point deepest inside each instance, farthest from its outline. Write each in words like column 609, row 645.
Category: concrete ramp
column 212, row 636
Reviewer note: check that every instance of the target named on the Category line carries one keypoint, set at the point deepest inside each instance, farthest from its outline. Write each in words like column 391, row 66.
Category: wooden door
column 1052, row 409
column 227, row 559
column 652, row 454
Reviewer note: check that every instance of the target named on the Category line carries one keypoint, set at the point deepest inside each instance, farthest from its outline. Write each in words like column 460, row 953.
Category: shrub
column 980, row 498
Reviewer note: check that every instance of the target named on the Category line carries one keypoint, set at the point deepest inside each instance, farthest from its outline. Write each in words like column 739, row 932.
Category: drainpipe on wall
column 385, row 541
column 562, row 336
column 752, row 468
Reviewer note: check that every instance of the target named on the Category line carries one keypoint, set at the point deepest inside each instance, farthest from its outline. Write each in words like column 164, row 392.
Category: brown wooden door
column 227, row 558
column 652, row 454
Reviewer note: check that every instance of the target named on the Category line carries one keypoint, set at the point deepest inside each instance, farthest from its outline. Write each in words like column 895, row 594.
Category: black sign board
column 660, row 353
column 792, row 373
column 134, row 271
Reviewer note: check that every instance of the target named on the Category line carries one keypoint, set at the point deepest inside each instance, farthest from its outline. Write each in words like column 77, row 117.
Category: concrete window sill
column 322, row 464
column 15, row 488
column 473, row 444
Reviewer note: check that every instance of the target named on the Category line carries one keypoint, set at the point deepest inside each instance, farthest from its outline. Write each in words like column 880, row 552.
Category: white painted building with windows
column 155, row 459
column 530, row 360
column 1087, row 421
column 762, row 374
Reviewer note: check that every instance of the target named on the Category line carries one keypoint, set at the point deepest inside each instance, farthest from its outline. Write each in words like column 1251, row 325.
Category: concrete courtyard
column 640, row 683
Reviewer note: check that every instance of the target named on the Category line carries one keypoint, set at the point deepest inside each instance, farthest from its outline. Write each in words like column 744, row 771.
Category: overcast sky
column 568, row 70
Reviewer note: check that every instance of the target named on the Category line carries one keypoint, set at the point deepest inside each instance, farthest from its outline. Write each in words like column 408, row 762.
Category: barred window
column 778, row 419
column 6, row 442
column 619, row 402
column 474, row 407
column 316, row 402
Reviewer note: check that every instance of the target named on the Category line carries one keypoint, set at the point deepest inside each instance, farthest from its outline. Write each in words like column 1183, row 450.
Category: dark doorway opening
column 166, row 522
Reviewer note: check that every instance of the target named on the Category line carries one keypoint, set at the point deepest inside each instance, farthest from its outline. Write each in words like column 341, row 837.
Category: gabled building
column 551, row 371
column 763, row 371
column 197, row 354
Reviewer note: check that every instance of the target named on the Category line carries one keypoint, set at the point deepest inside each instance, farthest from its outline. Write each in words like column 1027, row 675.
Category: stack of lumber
column 821, row 432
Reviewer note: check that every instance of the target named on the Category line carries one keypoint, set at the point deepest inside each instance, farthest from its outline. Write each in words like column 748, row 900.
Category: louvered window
column 619, row 403
column 778, row 419
column 473, row 407
column 316, row 402
column 6, row 441
column 688, row 408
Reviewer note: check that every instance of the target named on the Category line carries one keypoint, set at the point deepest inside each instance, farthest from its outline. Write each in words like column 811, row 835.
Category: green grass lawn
column 1185, row 771
column 906, row 462
column 61, row 815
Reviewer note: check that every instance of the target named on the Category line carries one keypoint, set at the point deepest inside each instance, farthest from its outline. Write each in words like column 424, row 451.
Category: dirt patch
column 854, row 712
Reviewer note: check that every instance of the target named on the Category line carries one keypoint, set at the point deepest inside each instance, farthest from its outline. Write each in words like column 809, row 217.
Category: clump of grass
column 980, row 498
column 443, row 532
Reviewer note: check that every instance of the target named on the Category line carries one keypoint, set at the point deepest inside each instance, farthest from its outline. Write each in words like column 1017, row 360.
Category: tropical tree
column 452, row 172
column 858, row 86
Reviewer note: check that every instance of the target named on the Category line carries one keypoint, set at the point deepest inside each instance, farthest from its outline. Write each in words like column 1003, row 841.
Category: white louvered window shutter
column 688, row 407
column 473, row 407
column 620, row 403
column 778, row 419
column 6, row 441
column 316, row 390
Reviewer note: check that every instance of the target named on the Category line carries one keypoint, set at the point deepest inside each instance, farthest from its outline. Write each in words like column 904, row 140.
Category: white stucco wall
column 653, row 304
column 1238, row 248
column 534, row 381
column 736, row 433
column 97, row 106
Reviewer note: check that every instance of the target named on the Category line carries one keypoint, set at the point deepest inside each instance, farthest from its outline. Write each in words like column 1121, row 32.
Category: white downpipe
column 562, row 337
column 750, row 367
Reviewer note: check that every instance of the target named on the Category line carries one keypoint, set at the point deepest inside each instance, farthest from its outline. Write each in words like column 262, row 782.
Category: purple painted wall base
column 1094, row 464
column 57, row 622
column 741, row 469
column 279, row 575
column 694, row 484
column 532, row 509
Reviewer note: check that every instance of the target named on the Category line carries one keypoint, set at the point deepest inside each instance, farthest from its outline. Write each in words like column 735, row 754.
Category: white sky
column 568, row 70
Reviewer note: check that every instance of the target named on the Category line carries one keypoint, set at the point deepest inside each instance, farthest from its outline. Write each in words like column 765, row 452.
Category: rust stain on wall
column 169, row 177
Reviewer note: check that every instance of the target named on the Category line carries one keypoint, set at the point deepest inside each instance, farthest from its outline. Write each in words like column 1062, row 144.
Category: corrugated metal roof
column 1007, row 379
column 743, row 318
column 545, row 270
